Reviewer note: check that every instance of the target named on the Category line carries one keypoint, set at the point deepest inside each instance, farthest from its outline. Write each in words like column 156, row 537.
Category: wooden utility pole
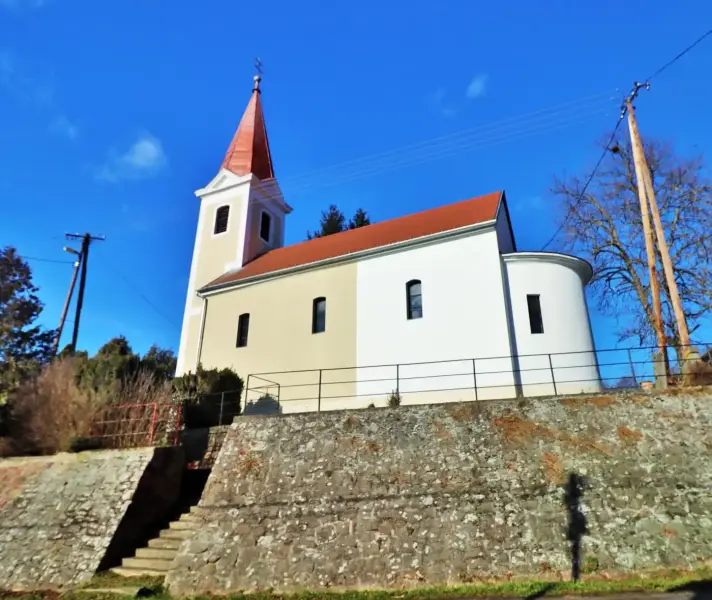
column 646, row 181
column 648, row 233
column 65, row 309
column 87, row 239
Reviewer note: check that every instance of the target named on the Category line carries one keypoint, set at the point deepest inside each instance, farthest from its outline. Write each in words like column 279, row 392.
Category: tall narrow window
column 535, row 321
column 414, row 299
column 222, row 215
column 265, row 226
column 319, row 315
column 243, row 328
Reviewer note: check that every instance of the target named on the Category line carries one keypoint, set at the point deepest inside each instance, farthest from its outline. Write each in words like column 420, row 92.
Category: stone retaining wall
column 62, row 516
column 447, row 493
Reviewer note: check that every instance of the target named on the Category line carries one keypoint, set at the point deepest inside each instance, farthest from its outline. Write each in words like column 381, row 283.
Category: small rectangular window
column 265, row 225
column 222, row 216
column 536, row 323
column 319, row 315
column 243, row 328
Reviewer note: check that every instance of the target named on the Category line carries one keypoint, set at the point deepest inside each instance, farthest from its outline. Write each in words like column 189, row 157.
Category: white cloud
column 477, row 86
column 144, row 158
column 64, row 127
column 438, row 100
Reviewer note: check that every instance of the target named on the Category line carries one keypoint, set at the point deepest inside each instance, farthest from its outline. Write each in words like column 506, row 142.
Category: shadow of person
column 701, row 590
column 577, row 526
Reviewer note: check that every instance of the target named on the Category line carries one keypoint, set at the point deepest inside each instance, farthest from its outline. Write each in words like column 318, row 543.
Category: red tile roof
column 249, row 150
column 429, row 222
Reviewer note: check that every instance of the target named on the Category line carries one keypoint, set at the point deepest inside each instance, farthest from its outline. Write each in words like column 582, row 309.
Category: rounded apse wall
column 549, row 323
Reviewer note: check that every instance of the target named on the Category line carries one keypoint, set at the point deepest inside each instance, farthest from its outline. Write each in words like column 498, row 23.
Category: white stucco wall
column 464, row 318
column 559, row 280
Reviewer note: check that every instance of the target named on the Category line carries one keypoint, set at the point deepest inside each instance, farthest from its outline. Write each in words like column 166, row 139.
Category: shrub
column 48, row 411
column 394, row 400
column 209, row 397
column 697, row 372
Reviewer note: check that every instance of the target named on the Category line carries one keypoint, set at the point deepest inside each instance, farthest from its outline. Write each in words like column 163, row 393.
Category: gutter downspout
column 203, row 314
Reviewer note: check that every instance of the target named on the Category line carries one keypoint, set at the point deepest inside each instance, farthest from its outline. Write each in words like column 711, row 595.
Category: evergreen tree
column 334, row 221
column 24, row 345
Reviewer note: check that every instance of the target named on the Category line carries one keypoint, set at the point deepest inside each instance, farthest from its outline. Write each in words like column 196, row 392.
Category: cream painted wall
column 280, row 336
column 213, row 254
column 464, row 318
column 559, row 280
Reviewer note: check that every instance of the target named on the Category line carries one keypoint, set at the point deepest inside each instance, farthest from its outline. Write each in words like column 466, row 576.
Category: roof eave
column 210, row 289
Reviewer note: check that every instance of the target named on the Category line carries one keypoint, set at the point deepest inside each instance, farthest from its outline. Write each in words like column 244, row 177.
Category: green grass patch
column 591, row 585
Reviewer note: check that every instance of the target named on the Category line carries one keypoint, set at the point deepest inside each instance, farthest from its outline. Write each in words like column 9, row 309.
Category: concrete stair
column 156, row 558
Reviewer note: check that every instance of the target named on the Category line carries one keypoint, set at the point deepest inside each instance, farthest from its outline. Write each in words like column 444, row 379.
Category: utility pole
column 645, row 181
column 647, row 231
column 67, row 301
column 87, row 239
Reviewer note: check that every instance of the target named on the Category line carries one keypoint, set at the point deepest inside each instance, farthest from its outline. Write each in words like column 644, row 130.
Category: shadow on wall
column 266, row 405
column 577, row 527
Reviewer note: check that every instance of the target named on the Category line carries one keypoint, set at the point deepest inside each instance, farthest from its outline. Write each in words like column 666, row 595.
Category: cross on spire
column 258, row 77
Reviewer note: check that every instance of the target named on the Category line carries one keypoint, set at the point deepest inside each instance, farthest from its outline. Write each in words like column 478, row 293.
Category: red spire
column 249, row 150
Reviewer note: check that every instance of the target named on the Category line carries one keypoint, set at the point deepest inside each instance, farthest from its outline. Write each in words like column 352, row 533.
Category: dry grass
column 465, row 412
column 553, row 468
column 597, row 401
column 629, row 436
column 516, row 429
column 47, row 412
column 52, row 410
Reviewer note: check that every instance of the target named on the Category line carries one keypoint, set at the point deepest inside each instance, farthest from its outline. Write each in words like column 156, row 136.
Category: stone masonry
column 60, row 515
column 430, row 495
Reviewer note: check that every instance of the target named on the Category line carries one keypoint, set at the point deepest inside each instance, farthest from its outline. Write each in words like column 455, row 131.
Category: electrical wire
column 588, row 182
column 679, row 56
column 135, row 289
column 613, row 135
column 48, row 260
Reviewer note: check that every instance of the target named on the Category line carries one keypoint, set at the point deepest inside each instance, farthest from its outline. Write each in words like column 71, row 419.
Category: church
column 436, row 306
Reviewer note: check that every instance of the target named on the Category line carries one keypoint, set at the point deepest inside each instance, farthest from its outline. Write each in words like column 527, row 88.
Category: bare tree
column 604, row 226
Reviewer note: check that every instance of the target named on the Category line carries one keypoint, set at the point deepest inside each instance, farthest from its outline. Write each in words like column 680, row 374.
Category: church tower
column 242, row 215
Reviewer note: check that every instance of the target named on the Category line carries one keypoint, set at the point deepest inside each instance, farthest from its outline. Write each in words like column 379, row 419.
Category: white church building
column 438, row 305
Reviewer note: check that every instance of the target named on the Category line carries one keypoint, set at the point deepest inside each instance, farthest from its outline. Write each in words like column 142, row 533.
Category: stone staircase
column 157, row 557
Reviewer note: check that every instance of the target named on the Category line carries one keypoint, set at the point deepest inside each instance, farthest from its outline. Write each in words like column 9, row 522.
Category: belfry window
column 414, row 299
column 222, row 215
column 265, row 226
column 536, row 323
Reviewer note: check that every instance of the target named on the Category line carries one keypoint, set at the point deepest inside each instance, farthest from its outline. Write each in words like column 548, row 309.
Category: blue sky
column 113, row 113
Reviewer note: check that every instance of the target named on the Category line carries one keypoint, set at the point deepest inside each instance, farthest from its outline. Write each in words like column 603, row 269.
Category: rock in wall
column 442, row 494
column 61, row 516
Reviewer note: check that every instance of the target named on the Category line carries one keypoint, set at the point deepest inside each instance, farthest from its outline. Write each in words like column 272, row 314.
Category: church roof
column 410, row 227
column 249, row 149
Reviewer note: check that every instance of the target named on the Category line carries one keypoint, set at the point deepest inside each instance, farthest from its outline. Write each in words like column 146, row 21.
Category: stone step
column 192, row 517
column 165, row 543
column 182, row 525
column 197, row 510
column 148, row 564
column 160, row 553
column 126, row 572
column 175, row 534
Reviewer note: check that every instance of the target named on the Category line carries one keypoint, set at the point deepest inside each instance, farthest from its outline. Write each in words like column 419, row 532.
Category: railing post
column 632, row 368
column 474, row 376
column 247, row 391
column 318, row 406
column 222, row 402
column 154, row 421
column 553, row 377
column 398, row 379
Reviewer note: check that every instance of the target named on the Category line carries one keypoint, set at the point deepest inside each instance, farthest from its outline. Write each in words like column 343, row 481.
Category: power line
column 636, row 87
column 588, row 182
column 135, row 289
column 679, row 56
column 48, row 260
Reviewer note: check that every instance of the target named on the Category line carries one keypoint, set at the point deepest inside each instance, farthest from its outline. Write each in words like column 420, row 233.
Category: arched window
column 319, row 315
column 243, row 328
column 265, row 226
column 414, row 299
column 222, row 215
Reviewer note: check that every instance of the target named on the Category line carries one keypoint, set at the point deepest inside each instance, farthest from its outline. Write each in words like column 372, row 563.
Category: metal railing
column 498, row 377
column 136, row 425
